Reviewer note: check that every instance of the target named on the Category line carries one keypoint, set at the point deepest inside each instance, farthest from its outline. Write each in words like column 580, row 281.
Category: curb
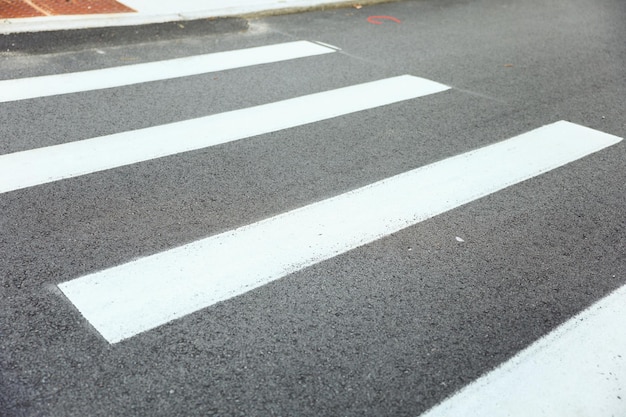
column 46, row 42
column 241, row 10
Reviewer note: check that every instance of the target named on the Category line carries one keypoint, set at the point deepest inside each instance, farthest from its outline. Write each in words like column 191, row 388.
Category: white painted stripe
column 328, row 45
column 579, row 369
column 38, row 166
column 131, row 298
column 50, row 85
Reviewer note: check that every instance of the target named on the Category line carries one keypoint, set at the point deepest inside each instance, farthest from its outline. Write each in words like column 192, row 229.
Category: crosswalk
column 132, row 298
column 577, row 369
column 38, row 166
column 56, row 84
column 135, row 297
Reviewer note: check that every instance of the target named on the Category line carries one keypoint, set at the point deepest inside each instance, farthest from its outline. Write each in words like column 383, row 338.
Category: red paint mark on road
column 376, row 20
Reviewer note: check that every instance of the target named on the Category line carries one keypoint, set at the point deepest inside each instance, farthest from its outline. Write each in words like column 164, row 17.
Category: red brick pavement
column 31, row 8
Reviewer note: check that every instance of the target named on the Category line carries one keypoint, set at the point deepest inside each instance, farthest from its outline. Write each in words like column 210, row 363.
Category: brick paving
column 32, row 8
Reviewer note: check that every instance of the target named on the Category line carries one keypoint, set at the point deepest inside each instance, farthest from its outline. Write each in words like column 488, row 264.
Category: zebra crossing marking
column 50, row 85
column 128, row 299
column 53, row 163
column 578, row 369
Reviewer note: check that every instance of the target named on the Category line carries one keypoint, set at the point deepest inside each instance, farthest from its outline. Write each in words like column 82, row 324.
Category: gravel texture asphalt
column 390, row 328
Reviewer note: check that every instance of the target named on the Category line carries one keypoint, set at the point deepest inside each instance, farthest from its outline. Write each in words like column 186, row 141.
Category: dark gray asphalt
column 391, row 328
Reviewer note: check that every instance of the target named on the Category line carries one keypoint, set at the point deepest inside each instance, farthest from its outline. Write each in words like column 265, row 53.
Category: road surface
column 316, row 214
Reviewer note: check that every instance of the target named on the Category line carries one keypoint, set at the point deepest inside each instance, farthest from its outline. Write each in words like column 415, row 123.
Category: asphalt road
column 389, row 328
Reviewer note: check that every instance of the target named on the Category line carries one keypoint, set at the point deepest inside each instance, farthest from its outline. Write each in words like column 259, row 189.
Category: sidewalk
column 46, row 15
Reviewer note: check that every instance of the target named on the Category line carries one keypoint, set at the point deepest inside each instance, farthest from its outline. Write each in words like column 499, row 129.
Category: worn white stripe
column 579, row 369
column 49, row 85
column 37, row 166
column 128, row 299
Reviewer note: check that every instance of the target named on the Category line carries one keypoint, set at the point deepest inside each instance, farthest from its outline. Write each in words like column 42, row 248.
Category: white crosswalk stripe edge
column 579, row 369
column 50, row 85
column 129, row 299
column 43, row 165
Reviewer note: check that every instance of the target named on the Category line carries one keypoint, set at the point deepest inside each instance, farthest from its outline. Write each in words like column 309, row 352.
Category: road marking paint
column 328, row 45
column 38, row 166
column 50, row 85
column 376, row 20
column 123, row 301
column 579, row 369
